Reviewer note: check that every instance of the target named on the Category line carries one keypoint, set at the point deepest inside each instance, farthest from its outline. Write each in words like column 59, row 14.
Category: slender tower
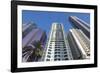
column 79, row 44
column 57, row 48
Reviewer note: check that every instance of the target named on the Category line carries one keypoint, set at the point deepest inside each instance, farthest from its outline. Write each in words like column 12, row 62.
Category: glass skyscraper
column 33, row 43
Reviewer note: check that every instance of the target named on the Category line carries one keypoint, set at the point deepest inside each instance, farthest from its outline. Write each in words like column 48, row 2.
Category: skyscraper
column 79, row 44
column 80, row 24
column 57, row 47
column 33, row 43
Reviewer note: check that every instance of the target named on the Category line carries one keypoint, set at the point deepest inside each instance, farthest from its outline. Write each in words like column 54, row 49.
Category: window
column 65, row 55
column 57, row 59
column 57, row 52
column 57, row 49
column 48, row 56
column 49, row 52
column 64, row 46
column 49, row 49
column 47, row 59
column 57, row 55
column 64, row 49
column 50, row 45
column 65, row 52
column 66, row 58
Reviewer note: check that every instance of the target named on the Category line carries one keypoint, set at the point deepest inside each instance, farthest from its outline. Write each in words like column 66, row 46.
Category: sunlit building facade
column 57, row 47
column 33, row 38
column 79, row 44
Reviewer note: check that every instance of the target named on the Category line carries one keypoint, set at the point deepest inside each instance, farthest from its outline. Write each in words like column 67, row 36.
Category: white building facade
column 57, row 48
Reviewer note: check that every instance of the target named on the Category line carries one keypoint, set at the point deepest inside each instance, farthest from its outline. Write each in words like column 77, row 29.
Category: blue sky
column 44, row 19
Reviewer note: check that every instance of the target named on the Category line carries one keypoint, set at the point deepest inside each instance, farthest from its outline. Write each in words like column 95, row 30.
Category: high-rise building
column 33, row 43
column 79, row 44
column 80, row 24
column 57, row 48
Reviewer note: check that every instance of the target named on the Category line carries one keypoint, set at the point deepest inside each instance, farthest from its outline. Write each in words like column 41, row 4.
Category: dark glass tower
column 80, row 24
column 33, row 43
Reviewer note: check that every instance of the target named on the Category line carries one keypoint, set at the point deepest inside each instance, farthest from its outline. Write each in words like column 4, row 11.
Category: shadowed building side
column 33, row 43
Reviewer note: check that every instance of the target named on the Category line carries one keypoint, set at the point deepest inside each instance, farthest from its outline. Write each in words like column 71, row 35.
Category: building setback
column 32, row 36
column 79, row 44
column 57, row 48
column 80, row 24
